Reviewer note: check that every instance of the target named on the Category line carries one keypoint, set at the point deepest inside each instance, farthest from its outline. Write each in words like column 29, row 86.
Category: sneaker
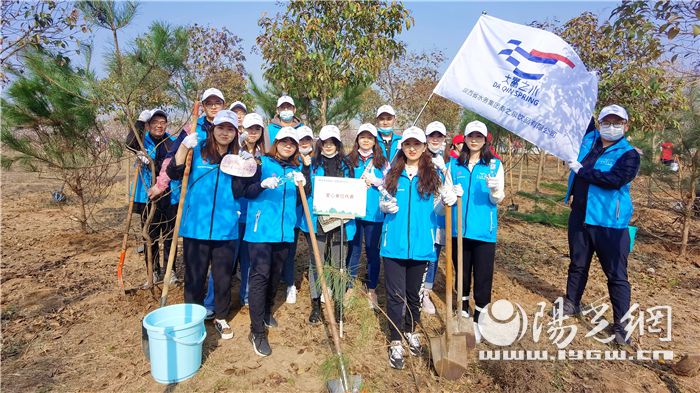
column 210, row 315
column 568, row 309
column 173, row 279
column 315, row 318
column 260, row 344
column 427, row 305
column 621, row 336
column 270, row 321
column 465, row 314
column 477, row 333
column 396, row 355
column 291, row 294
column 155, row 280
column 323, row 300
column 223, row 328
column 373, row 301
column 414, row 346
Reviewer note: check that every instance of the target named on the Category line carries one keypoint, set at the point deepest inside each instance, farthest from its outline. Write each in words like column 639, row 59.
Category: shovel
column 122, row 254
column 463, row 326
column 449, row 352
column 344, row 384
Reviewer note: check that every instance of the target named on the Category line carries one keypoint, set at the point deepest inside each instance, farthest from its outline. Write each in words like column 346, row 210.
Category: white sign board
column 339, row 196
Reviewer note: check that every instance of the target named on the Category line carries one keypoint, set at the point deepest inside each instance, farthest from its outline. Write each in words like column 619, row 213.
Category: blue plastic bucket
column 633, row 233
column 175, row 337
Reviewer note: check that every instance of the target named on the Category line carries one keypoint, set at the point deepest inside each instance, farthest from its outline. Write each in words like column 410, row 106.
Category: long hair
column 209, row 150
column 294, row 159
column 319, row 160
column 428, row 178
column 485, row 154
column 378, row 159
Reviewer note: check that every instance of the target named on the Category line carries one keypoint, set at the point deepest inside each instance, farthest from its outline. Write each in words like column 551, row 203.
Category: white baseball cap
column 157, row 111
column 616, row 110
column 476, row 126
column 285, row 99
column 304, row 131
column 386, row 109
column 436, row 126
column 367, row 127
column 212, row 92
column 287, row 132
column 329, row 131
column 253, row 119
column 145, row 115
column 226, row 117
column 238, row 104
column 413, row 133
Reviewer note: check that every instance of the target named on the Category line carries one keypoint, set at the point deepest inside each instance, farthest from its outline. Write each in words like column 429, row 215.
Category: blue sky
column 438, row 24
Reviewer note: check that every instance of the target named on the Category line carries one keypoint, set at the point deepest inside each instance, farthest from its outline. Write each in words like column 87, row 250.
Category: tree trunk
column 651, row 174
column 688, row 216
column 520, row 170
column 510, row 161
column 540, row 169
column 324, row 107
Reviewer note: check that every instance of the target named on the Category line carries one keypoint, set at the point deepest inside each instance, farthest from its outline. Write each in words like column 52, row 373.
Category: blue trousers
column 612, row 246
column 431, row 270
column 372, row 232
column 241, row 252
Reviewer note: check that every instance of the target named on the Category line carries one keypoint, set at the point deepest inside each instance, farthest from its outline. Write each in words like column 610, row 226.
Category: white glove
column 242, row 137
column 144, row 158
column 270, row 182
column 458, row 190
column 145, row 116
column 299, row 178
column 449, row 197
column 190, row 140
column 491, row 183
column 575, row 165
column 439, row 163
column 390, row 207
column 372, row 179
column 244, row 154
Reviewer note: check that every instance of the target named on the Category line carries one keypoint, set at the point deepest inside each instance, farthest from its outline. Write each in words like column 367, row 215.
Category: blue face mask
column 385, row 131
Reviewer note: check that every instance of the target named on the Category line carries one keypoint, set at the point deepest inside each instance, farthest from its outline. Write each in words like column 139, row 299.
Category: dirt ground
column 67, row 327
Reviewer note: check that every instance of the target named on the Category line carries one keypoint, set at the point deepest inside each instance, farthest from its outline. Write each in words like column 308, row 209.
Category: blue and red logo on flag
column 534, row 56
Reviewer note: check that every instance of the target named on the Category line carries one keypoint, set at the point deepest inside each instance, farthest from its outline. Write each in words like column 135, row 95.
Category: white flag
column 527, row 80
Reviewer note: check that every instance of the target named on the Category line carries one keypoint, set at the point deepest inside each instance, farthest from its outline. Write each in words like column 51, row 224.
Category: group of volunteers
column 252, row 224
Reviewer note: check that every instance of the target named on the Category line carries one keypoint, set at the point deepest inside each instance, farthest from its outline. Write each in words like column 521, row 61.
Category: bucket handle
column 180, row 341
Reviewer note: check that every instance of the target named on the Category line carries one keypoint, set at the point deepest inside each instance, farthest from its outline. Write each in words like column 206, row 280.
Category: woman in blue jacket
column 369, row 164
column 329, row 160
column 209, row 226
column 272, row 214
column 408, row 236
column 478, row 176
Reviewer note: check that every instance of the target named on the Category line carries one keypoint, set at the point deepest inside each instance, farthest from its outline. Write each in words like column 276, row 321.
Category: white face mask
column 305, row 150
column 437, row 150
column 286, row 115
column 611, row 132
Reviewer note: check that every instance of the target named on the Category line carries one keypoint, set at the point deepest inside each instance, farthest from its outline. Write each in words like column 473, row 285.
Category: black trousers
column 161, row 229
column 612, row 246
column 199, row 255
column 403, row 278
column 266, row 263
column 478, row 261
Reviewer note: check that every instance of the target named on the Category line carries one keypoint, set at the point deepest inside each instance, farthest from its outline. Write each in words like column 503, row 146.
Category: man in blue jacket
column 601, row 208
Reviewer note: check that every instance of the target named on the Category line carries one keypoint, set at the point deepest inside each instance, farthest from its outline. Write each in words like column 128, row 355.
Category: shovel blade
column 449, row 362
column 235, row 165
column 465, row 327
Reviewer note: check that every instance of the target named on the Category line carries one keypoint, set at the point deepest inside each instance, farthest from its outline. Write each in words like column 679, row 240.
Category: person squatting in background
column 601, row 208
column 435, row 133
column 151, row 126
column 389, row 140
column 250, row 141
column 209, row 225
column 272, row 214
column 330, row 161
column 368, row 163
column 478, row 178
column 405, row 245
column 306, row 142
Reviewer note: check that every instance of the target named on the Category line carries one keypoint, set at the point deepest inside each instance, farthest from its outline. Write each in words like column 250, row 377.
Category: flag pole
column 421, row 111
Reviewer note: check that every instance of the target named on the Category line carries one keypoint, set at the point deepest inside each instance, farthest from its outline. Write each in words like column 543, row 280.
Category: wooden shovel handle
column 449, row 277
column 125, row 239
